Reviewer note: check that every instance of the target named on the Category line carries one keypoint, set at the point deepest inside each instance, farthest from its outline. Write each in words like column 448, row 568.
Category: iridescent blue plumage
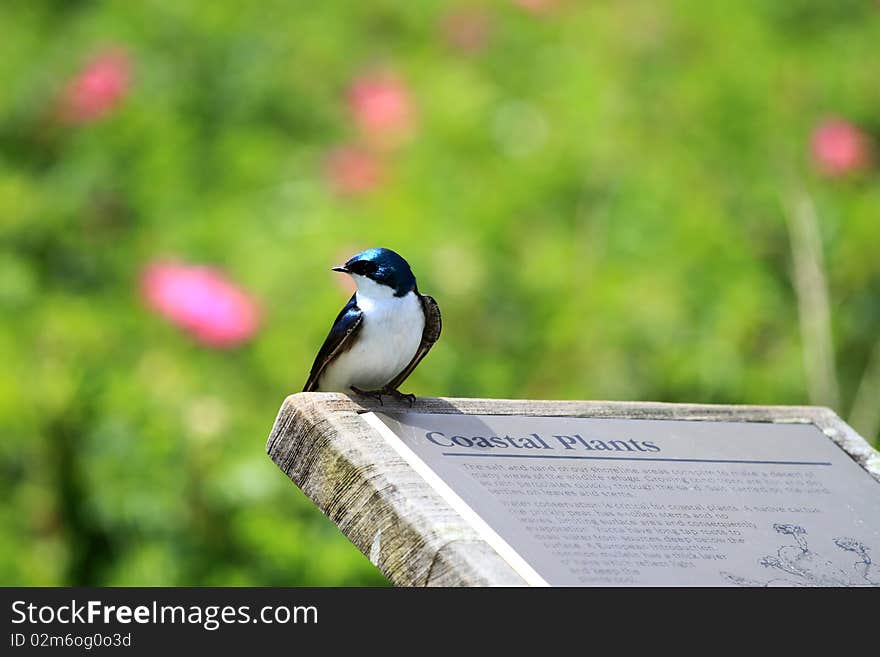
column 386, row 267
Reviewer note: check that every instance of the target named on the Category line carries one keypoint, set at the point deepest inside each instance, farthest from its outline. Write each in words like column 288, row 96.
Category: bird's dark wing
column 429, row 337
column 339, row 340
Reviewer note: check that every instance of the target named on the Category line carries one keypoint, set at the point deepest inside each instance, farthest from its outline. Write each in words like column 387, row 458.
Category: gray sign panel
column 586, row 501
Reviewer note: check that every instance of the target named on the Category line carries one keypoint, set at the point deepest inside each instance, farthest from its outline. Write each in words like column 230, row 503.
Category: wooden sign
column 501, row 492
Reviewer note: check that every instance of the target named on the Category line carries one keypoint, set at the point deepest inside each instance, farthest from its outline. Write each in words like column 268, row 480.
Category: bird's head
column 380, row 273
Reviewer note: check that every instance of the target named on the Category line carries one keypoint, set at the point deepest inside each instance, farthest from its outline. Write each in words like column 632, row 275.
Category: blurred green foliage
column 594, row 193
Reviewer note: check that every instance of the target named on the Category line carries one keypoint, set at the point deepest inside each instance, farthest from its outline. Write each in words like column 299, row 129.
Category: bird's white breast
column 388, row 338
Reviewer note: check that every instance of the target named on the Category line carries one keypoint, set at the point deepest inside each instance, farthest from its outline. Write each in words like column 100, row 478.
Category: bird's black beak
column 341, row 268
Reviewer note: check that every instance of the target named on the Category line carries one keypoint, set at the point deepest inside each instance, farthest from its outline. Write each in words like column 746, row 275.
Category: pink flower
column 351, row 170
column 839, row 147
column 381, row 106
column 538, row 7
column 97, row 89
column 202, row 301
column 467, row 29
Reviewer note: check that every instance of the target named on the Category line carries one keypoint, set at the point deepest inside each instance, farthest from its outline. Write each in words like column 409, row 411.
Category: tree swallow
column 381, row 334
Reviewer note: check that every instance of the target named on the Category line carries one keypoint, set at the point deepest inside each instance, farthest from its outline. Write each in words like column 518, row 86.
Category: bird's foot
column 408, row 396
column 372, row 394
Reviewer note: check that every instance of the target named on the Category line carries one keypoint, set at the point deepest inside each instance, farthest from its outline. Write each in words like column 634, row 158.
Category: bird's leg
column 408, row 396
column 373, row 394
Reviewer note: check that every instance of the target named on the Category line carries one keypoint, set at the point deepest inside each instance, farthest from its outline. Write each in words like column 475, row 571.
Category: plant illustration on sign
column 798, row 565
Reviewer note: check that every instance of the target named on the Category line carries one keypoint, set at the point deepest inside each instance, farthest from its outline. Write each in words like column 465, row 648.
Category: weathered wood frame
column 405, row 528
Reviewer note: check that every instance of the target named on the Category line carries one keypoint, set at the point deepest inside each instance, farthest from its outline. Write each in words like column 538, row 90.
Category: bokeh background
column 636, row 200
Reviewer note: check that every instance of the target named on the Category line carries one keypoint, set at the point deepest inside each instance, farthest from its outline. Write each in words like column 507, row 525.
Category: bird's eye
column 363, row 267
